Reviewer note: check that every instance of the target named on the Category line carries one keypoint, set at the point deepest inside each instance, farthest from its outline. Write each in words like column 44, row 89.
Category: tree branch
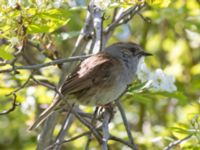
column 120, row 20
column 97, row 16
column 69, row 140
column 128, row 130
column 38, row 66
column 65, row 127
column 177, row 142
column 14, row 104
column 106, row 135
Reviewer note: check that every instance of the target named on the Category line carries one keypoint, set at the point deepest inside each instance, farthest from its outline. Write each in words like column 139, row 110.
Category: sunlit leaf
column 48, row 21
column 140, row 98
column 178, row 95
column 137, row 87
column 4, row 52
column 159, row 3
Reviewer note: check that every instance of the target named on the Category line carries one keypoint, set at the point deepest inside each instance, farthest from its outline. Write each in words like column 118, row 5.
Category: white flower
column 158, row 80
column 143, row 71
column 169, row 85
column 162, row 81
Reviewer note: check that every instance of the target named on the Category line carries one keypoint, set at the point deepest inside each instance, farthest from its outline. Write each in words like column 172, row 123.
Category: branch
column 120, row 20
column 21, row 87
column 106, row 135
column 14, row 104
column 128, row 130
column 38, row 66
column 85, row 36
column 88, row 125
column 97, row 16
column 146, row 19
column 45, row 136
column 65, row 127
column 114, row 138
column 82, row 120
column 44, row 84
column 177, row 142
column 69, row 140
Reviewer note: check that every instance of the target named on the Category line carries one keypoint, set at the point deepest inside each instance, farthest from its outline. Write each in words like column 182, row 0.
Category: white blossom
column 157, row 80
column 143, row 71
column 162, row 81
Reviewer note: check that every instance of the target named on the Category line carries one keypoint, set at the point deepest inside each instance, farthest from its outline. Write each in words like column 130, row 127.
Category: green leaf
column 181, row 130
column 178, row 95
column 4, row 52
column 48, row 21
column 137, row 87
column 141, row 99
column 159, row 3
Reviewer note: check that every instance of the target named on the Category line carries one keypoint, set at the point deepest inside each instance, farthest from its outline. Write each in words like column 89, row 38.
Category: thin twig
column 44, row 83
column 65, row 126
column 116, row 23
column 128, row 130
column 14, row 104
column 177, row 142
column 93, row 122
column 21, row 87
column 88, row 125
column 69, row 140
column 82, row 120
column 45, row 136
column 114, row 138
column 38, row 66
column 87, row 146
column 146, row 19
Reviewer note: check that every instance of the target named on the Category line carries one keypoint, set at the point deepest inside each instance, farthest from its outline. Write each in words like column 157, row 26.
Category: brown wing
column 93, row 70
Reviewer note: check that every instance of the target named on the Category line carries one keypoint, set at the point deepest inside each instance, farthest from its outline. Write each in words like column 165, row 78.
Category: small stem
column 175, row 143
column 128, row 130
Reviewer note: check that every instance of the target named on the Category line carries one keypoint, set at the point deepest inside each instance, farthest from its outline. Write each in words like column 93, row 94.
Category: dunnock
column 99, row 79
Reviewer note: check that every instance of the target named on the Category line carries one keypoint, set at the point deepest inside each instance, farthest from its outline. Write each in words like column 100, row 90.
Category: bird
column 99, row 79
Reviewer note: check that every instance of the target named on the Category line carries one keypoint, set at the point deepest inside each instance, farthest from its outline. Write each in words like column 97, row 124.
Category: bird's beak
column 143, row 53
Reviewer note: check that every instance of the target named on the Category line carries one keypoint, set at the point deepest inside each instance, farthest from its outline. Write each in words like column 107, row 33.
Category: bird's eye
column 127, row 52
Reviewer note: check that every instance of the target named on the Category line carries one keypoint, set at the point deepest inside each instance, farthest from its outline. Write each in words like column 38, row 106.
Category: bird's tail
column 46, row 113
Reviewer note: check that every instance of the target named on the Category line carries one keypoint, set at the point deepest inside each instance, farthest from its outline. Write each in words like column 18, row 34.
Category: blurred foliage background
column 171, row 31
